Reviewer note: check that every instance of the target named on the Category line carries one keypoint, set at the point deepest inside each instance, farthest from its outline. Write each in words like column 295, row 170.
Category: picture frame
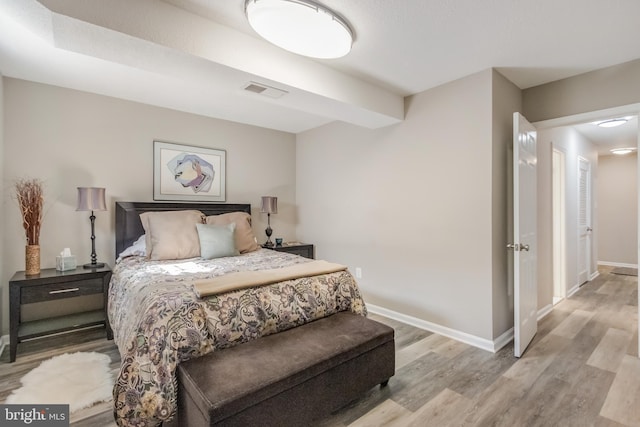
column 188, row 173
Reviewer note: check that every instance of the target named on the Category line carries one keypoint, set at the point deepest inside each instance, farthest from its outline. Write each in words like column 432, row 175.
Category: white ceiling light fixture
column 300, row 26
column 622, row 151
column 611, row 123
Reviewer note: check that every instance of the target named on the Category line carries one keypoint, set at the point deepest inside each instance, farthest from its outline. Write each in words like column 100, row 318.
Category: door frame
column 589, row 207
column 559, row 222
column 591, row 116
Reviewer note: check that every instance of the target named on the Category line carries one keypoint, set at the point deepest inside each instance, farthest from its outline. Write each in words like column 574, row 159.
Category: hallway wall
column 573, row 144
column 617, row 194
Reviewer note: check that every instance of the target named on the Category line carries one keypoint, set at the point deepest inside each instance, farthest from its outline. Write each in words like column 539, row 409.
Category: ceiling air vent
column 264, row 90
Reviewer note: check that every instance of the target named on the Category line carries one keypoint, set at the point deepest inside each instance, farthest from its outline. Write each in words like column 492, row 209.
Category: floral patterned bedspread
column 158, row 321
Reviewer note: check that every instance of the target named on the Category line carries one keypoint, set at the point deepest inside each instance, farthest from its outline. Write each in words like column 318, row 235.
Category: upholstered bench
column 287, row 379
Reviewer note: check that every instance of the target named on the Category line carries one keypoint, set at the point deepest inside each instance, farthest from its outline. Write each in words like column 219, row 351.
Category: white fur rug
column 79, row 379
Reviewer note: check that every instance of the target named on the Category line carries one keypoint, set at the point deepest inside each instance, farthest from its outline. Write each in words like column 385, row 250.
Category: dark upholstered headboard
column 129, row 227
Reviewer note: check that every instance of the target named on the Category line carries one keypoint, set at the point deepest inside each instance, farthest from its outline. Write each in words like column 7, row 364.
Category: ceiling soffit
column 159, row 38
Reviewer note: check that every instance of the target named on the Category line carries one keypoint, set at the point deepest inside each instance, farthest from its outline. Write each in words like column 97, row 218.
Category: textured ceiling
column 413, row 45
column 605, row 139
column 196, row 55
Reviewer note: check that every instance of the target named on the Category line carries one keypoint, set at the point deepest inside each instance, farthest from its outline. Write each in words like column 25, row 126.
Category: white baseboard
column 544, row 311
column 503, row 340
column 482, row 343
column 573, row 290
column 594, row 275
column 617, row 264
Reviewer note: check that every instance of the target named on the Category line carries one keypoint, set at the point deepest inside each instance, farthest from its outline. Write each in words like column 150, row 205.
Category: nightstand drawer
column 39, row 293
column 302, row 249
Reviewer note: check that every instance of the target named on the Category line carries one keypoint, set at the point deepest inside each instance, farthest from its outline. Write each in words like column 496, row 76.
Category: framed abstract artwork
column 188, row 173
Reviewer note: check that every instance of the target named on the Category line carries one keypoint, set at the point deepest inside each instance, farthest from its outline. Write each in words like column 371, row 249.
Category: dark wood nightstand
column 302, row 249
column 51, row 285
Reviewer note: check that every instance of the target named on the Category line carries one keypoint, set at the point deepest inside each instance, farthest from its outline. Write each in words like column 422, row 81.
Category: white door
column 584, row 220
column 524, row 233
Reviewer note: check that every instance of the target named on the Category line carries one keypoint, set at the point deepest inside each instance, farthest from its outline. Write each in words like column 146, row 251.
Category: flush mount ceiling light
column 612, row 122
column 622, row 151
column 300, row 26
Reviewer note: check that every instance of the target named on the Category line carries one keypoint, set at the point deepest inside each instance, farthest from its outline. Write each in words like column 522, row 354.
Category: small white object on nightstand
column 65, row 261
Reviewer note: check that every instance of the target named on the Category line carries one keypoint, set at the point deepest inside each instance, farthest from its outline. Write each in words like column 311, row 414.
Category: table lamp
column 269, row 206
column 92, row 199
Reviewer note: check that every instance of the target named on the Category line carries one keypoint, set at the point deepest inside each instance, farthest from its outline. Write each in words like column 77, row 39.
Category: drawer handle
column 64, row 291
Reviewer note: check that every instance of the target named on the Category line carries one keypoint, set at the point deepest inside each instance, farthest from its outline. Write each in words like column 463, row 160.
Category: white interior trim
column 589, row 215
column 623, row 110
column 481, row 343
column 544, row 311
column 559, row 221
column 617, row 264
column 594, row 275
column 503, row 340
column 573, row 290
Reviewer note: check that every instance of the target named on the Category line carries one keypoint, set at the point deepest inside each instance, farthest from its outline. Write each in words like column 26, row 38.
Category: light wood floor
column 581, row 370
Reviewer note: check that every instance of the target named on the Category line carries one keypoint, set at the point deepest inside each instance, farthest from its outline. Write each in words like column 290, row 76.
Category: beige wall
column 597, row 90
column 607, row 88
column 412, row 205
column 617, row 193
column 573, row 144
column 69, row 138
column 507, row 98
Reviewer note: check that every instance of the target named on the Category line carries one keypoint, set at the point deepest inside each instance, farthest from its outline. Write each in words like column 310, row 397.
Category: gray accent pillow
column 217, row 241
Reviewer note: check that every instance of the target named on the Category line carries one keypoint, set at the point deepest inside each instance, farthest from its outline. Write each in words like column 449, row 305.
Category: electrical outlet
column 358, row 273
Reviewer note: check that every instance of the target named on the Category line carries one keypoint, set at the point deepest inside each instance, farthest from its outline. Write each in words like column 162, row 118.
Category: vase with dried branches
column 30, row 199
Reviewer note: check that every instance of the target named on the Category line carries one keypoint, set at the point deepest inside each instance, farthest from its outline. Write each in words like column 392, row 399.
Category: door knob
column 524, row 247
column 589, row 229
column 512, row 246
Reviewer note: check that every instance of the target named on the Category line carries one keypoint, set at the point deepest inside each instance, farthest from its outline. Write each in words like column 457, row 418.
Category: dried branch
column 30, row 199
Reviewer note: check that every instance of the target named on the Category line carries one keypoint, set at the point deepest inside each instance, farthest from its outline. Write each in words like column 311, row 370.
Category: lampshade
column 269, row 205
column 300, row 26
column 91, row 199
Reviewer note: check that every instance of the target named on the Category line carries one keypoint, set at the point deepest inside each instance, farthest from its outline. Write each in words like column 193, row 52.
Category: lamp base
column 96, row 265
column 268, row 232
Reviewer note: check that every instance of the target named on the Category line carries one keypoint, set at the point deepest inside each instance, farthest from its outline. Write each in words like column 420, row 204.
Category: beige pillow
column 172, row 234
column 245, row 240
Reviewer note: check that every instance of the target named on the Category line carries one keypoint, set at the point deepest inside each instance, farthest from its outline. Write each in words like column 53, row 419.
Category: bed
column 160, row 320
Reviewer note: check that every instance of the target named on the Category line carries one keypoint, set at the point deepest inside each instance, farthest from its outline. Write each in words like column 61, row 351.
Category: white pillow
column 139, row 248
